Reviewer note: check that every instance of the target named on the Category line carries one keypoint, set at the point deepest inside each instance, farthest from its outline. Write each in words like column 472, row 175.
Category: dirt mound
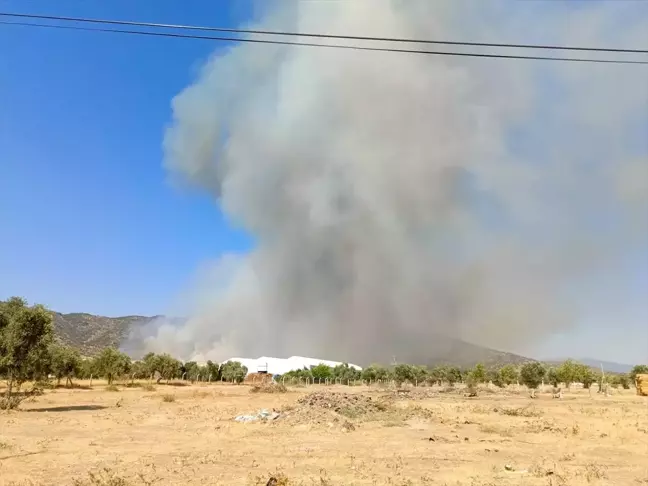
column 269, row 388
column 349, row 405
column 415, row 393
column 258, row 378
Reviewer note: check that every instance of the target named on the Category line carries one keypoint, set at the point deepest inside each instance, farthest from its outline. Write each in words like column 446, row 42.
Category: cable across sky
column 72, row 20
column 319, row 36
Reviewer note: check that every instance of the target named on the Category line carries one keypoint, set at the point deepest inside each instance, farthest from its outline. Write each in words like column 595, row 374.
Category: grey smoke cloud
column 399, row 199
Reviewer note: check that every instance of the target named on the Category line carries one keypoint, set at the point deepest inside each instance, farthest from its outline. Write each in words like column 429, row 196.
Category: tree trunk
column 10, row 381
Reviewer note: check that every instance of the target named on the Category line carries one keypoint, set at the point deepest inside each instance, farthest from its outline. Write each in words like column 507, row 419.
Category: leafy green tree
column 532, row 374
column 321, row 372
column 641, row 369
column 234, row 372
column 167, row 366
column 419, row 374
column 453, row 375
column 65, row 362
column 568, row 372
column 585, row 375
column 301, row 374
column 25, row 335
column 403, row 373
column 87, row 369
column 164, row 366
column 111, row 364
column 437, row 375
column 478, row 374
column 213, row 371
column 375, row 372
column 553, row 377
column 508, row 374
column 192, row 370
column 622, row 380
column 495, row 377
column 139, row 370
column 345, row 373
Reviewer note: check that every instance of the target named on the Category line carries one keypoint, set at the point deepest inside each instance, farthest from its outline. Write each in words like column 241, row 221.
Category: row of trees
column 112, row 364
column 531, row 374
column 29, row 352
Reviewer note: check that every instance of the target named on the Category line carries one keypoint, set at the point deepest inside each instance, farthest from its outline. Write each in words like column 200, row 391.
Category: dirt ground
column 186, row 435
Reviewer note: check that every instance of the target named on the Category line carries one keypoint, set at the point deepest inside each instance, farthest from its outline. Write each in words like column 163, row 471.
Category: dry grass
column 168, row 398
column 372, row 438
column 269, row 388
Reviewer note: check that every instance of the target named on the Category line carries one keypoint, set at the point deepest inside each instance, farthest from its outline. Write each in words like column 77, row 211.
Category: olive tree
column 508, row 374
column 234, row 372
column 111, row 364
column 25, row 335
column 531, row 375
column 638, row 370
column 321, row 372
column 65, row 362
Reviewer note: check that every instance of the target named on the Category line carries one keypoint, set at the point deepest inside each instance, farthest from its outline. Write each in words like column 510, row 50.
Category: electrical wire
column 330, row 46
column 319, row 36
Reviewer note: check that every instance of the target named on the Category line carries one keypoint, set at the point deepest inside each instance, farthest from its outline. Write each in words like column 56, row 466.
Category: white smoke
column 394, row 198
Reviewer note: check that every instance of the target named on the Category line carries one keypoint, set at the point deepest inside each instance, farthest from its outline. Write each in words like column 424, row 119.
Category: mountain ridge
column 91, row 333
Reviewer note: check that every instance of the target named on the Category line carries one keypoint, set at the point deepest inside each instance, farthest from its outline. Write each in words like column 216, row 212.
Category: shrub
column 169, row 398
column 112, row 388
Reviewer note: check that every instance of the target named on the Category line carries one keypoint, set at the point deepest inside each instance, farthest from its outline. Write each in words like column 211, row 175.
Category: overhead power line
column 330, row 46
column 320, row 36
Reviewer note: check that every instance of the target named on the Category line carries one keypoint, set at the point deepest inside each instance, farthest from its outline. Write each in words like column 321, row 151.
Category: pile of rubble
column 262, row 415
column 348, row 404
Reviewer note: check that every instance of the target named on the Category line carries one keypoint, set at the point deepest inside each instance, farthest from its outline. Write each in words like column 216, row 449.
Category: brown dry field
column 427, row 437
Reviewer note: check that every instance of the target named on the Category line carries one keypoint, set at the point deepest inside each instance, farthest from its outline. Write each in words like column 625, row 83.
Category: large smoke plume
column 398, row 200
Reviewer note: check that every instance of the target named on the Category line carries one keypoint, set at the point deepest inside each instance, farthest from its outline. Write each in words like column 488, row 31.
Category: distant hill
column 91, row 333
column 608, row 366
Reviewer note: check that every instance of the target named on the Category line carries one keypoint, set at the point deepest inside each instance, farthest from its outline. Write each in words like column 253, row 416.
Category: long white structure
column 280, row 366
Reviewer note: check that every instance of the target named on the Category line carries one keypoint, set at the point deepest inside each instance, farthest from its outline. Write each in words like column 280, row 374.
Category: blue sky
column 90, row 222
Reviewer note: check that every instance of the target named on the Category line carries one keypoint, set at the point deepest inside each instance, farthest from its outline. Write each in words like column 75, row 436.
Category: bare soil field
column 317, row 435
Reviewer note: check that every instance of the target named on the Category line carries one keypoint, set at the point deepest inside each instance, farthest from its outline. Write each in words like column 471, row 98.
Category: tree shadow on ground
column 73, row 387
column 68, row 408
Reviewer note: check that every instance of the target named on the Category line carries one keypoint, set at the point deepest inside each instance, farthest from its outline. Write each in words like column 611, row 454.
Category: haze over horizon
column 491, row 232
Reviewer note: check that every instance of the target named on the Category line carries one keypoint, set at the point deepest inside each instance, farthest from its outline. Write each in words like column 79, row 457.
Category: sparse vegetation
column 269, row 388
column 168, row 398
